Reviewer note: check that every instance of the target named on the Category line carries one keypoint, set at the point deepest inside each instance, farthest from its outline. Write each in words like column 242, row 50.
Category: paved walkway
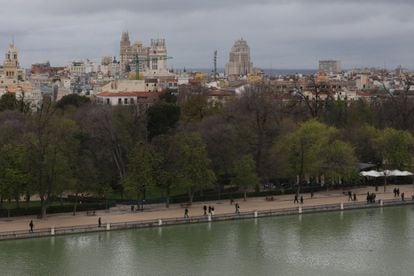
column 123, row 213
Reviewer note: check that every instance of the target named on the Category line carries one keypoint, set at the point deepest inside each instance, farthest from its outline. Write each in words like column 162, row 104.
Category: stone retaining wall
column 198, row 219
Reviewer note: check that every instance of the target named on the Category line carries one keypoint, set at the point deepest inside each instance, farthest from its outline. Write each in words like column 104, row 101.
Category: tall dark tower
column 124, row 51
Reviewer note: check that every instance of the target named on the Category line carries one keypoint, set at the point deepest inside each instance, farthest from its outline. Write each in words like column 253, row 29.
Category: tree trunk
column 167, row 198
column 43, row 207
column 190, row 196
column 76, row 204
column 17, row 202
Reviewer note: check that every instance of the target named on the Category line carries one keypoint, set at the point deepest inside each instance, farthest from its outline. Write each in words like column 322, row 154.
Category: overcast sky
column 281, row 34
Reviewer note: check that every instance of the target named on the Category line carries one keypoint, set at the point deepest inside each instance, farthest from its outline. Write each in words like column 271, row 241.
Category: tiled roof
column 127, row 94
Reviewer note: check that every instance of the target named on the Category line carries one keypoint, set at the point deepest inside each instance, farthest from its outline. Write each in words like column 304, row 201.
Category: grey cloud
column 281, row 34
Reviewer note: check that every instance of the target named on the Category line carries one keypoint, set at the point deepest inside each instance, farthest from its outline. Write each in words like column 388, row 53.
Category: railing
column 44, row 232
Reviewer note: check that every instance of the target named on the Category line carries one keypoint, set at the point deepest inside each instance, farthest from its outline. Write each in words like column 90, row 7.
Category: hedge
column 36, row 210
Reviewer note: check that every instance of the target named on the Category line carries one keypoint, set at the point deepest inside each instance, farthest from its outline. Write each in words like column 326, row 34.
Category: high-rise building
column 239, row 60
column 330, row 66
column 150, row 61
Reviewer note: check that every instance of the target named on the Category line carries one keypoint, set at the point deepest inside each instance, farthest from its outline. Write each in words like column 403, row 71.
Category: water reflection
column 376, row 241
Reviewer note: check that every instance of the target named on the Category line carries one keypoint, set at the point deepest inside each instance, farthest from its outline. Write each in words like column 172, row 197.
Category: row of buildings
column 140, row 73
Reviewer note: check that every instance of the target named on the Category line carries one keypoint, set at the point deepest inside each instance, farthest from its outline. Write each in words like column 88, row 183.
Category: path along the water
column 123, row 213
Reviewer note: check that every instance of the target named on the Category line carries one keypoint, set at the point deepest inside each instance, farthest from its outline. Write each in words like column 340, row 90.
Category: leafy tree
column 141, row 170
column 162, row 118
column 167, row 158
column 303, row 149
column 169, row 97
column 339, row 160
column 73, row 100
column 14, row 179
column 256, row 118
column 396, row 148
column 8, row 101
column 245, row 174
column 48, row 140
column 194, row 165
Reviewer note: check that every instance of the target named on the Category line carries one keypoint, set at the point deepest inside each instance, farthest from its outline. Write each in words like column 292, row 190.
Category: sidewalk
column 121, row 213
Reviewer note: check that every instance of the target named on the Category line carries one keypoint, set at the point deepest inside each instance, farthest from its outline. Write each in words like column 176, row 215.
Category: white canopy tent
column 374, row 173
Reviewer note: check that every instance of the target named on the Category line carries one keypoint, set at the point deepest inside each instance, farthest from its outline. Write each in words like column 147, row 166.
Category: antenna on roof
column 215, row 65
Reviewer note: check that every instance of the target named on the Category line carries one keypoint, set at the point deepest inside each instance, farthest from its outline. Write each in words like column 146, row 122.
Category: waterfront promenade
column 122, row 214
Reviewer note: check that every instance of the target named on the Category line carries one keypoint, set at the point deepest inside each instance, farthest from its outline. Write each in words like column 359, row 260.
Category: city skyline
column 287, row 34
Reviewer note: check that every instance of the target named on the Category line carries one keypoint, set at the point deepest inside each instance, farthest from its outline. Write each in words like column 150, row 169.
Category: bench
column 91, row 213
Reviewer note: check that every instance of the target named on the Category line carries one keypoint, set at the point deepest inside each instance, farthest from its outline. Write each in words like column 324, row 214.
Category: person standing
column 31, row 225
column 402, row 196
column 355, row 199
column 301, row 199
column 205, row 210
column 186, row 213
column 212, row 210
column 209, row 209
column 99, row 222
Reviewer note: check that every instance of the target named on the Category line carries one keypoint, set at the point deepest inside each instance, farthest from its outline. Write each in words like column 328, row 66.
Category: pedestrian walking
column 398, row 192
column 186, row 213
column 402, row 196
column 31, row 225
column 296, row 199
column 237, row 208
column 212, row 210
column 209, row 209
column 395, row 192
column 355, row 199
column 205, row 210
column 301, row 199
column 99, row 222
column 349, row 196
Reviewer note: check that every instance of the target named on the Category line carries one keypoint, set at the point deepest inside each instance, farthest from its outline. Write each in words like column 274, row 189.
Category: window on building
column 119, row 101
column 132, row 101
column 154, row 64
column 107, row 101
column 125, row 101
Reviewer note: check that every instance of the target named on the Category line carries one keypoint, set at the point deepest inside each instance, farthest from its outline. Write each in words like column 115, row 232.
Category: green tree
column 14, row 179
column 167, row 158
column 49, row 140
column 245, row 176
column 303, row 149
column 339, row 161
column 396, row 148
column 72, row 99
column 8, row 101
column 162, row 118
column 194, row 164
column 140, row 171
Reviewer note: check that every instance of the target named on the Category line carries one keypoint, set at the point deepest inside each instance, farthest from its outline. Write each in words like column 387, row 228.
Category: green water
column 362, row 242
